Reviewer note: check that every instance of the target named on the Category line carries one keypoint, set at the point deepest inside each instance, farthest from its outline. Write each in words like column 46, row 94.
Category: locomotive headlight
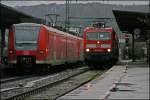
column 109, row 50
column 11, row 52
column 87, row 50
column 98, row 42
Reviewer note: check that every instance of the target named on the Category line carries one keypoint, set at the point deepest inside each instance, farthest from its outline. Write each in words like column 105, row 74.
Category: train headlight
column 108, row 50
column 41, row 52
column 87, row 50
column 11, row 51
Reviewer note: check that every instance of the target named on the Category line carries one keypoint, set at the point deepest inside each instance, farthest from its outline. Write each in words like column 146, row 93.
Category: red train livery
column 100, row 45
column 31, row 43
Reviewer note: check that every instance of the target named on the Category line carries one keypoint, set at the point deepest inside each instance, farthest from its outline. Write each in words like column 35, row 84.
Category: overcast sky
column 37, row 2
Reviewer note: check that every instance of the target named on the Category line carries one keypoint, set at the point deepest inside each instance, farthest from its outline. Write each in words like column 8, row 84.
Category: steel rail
column 3, row 81
column 44, row 87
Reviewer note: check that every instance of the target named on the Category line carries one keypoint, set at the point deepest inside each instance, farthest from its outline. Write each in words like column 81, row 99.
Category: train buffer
column 129, row 81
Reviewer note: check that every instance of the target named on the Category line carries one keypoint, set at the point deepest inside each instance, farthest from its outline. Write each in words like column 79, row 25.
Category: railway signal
column 127, row 45
column 127, row 39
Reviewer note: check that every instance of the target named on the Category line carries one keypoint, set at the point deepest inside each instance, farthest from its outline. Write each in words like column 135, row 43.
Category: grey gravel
column 64, row 87
column 18, row 82
column 61, row 75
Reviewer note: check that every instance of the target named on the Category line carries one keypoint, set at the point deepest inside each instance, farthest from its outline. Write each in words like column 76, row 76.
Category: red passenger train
column 100, row 45
column 31, row 43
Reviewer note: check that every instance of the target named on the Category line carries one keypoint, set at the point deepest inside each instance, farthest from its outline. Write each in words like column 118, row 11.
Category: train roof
column 97, row 29
column 91, row 28
column 54, row 30
column 24, row 24
column 60, row 32
column 48, row 27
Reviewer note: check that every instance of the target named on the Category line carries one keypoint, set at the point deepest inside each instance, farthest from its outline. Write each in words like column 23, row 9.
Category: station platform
column 127, row 81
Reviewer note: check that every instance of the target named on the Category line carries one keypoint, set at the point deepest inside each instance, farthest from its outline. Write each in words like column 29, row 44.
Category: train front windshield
column 26, row 37
column 98, row 35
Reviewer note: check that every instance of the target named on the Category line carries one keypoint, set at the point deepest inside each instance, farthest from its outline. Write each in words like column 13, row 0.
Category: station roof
column 129, row 21
column 11, row 16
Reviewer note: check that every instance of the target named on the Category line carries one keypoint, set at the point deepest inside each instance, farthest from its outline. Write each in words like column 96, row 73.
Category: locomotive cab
column 23, row 43
column 99, row 45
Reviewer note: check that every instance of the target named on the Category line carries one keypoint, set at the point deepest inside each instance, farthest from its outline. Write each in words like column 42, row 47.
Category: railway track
column 10, row 79
column 41, row 84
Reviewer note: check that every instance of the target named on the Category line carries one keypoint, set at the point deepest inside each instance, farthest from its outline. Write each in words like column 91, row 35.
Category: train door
column 64, row 58
column 51, row 46
column 78, row 48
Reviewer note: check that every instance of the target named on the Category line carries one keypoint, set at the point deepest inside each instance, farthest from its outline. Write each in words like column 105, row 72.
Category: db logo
column 26, row 52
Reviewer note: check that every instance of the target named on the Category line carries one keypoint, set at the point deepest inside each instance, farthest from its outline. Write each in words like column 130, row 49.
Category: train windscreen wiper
column 20, row 43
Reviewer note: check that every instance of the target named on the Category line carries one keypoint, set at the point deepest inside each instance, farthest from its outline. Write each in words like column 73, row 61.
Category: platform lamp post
column 127, row 45
column 136, row 32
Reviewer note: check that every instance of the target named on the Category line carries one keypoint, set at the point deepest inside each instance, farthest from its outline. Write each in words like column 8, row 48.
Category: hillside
column 80, row 10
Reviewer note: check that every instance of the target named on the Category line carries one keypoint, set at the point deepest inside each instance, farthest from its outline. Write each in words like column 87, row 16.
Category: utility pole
column 67, row 15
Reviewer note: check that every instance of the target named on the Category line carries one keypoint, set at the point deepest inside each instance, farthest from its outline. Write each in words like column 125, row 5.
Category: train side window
column 87, row 36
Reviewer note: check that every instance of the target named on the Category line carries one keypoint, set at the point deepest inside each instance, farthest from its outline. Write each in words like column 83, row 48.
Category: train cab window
column 104, row 35
column 92, row 36
column 26, row 36
column 98, row 36
column 26, row 33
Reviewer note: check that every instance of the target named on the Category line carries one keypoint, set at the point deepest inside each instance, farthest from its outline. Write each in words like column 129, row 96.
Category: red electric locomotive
column 31, row 43
column 100, row 45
